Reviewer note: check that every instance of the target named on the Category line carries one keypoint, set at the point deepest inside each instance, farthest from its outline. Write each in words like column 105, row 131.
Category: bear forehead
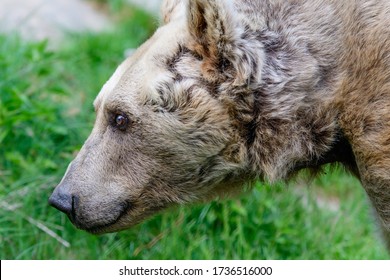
column 138, row 73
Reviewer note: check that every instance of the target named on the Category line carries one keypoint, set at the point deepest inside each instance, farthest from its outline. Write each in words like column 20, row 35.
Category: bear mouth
column 125, row 208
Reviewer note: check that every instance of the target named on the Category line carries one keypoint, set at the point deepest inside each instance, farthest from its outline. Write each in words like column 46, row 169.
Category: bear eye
column 121, row 121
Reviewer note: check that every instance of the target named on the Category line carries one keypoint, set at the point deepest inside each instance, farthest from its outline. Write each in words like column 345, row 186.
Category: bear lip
column 126, row 206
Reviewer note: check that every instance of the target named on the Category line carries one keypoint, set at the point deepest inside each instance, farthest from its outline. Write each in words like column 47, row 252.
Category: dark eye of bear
column 121, row 121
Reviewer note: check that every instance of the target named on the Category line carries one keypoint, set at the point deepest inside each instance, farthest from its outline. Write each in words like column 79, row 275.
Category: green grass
column 45, row 115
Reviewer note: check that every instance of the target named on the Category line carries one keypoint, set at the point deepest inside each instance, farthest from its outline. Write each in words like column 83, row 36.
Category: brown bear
column 229, row 92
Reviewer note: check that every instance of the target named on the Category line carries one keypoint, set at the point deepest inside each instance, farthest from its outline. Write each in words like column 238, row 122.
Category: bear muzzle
column 100, row 221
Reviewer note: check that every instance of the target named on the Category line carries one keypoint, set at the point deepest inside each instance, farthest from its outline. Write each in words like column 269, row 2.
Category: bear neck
column 288, row 118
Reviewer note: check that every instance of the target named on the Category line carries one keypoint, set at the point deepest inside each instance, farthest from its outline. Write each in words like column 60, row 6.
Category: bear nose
column 63, row 201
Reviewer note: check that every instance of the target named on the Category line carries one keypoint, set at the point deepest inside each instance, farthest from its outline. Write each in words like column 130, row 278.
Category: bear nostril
column 64, row 202
column 75, row 202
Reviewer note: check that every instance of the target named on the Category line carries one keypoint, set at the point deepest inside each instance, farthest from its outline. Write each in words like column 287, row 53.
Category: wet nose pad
column 63, row 201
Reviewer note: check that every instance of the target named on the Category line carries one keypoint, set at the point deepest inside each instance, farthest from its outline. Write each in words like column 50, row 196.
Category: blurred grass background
column 45, row 115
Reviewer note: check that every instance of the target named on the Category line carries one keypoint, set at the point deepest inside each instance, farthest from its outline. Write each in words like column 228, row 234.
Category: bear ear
column 172, row 9
column 212, row 27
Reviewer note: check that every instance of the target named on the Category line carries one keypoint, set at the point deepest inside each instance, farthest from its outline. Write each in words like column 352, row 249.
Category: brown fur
column 226, row 93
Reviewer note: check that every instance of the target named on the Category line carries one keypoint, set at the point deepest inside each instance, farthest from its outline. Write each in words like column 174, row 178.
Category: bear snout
column 80, row 207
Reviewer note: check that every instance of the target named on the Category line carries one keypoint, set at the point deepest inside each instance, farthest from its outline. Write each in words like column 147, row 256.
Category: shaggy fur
column 227, row 92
